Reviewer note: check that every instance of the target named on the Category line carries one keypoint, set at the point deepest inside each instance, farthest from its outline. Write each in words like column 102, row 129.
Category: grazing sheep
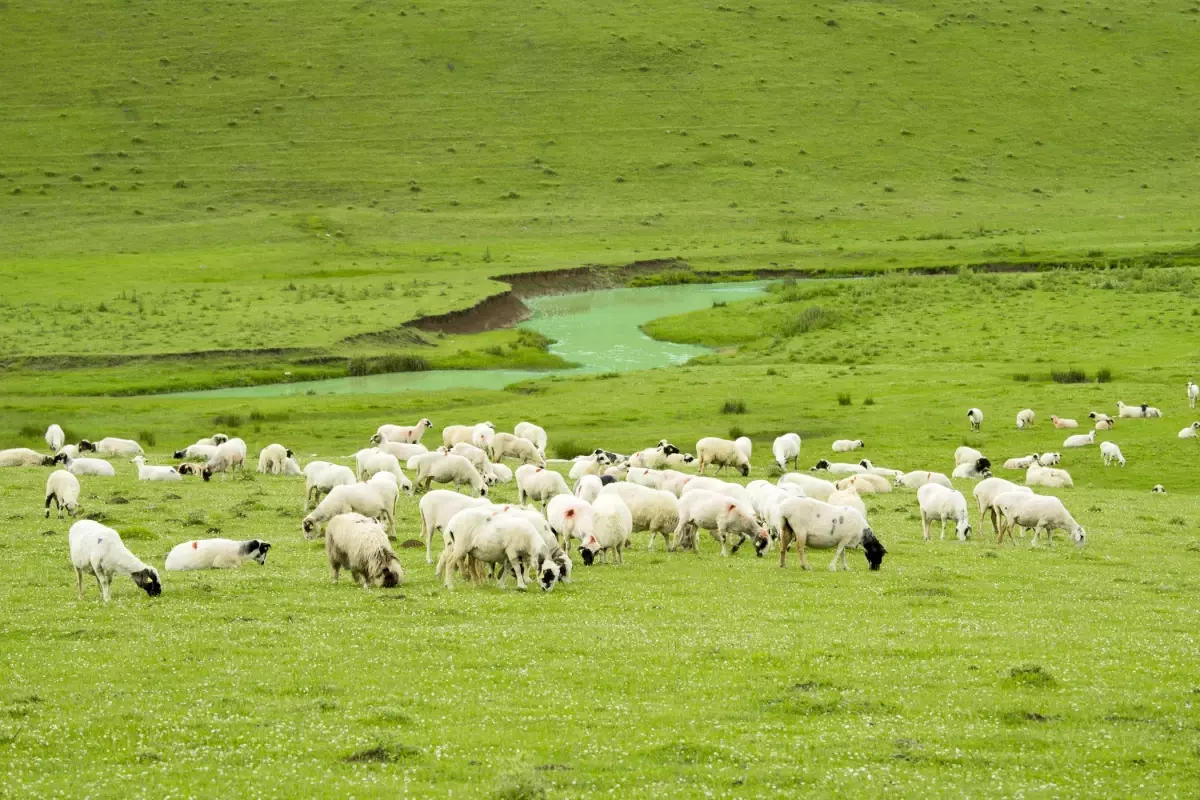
column 1025, row 418
column 722, row 516
column 766, row 497
column 1022, row 463
column 359, row 544
column 488, row 536
column 966, row 455
column 478, row 458
column 151, row 473
column 653, row 510
column 787, row 448
column 1109, row 452
column 1103, row 421
column 975, row 417
column 722, row 453
column 271, row 458
column 199, row 452
column 384, row 462
column 675, row 482
column 717, row 486
column 587, row 487
column 437, row 508
column 865, row 483
column 1049, row 459
column 658, row 457
column 591, row 464
column 988, row 490
column 216, row 440
column 24, row 457
column 939, row 503
column 482, row 435
column 453, row 434
column 917, row 479
column 1038, row 475
column 812, row 486
column 401, row 434
column 745, row 446
column 216, row 554
column 538, row 484
column 838, row 468
column 846, row 445
column 1193, row 392
column 1130, row 412
column 291, row 467
column 533, row 434
column 1080, row 439
column 112, row 446
column 1190, row 431
column 448, row 468
column 1002, row 508
column 850, row 499
column 403, row 452
column 362, row 498
column 883, row 472
column 502, row 473
column 612, row 528
column 389, row 490
column 506, row 445
column 821, row 526
column 975, row 470
column 1059, row 422
column 86, row 466
column 229, row 455
column 55, row 438
column 681, row 460
column 190, row 469
column 63, row 488
column 320, row 477
column 552, row 565
column 1046, row 513
column 651, row 478
column 100, row 551
column 1158, row 489
column 571, row 518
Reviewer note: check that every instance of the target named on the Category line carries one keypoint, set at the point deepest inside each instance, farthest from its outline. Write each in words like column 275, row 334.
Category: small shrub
column 734, row 407
column 569, row 448
column 147, row 437
column 736, row 432
column 1104, row 375
column 196, row 518
column 1068, row 376
column 227, row 421
column 383, row 753
column 1030, row 676
column 843, row 399
column 1021, row 377
column 869, row 401
column 520, row 782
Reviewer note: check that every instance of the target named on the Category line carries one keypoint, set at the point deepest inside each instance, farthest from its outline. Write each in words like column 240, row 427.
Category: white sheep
column 506, row 445
column 290, row 467
column 966, row 455
column 362, row 498
column 1049, row 459
column 1060, row 422
column 1022, row 463
column 538, row 484
column 502, row 473
column 1158, row 489
column 848, row 498
column 846, row 445
column 216, row 440
column 553, row 564
column 271, row 458
column 675, row 482
column 745, row 446
column 1103, row 421
column 384, row 462
column 402, row 451
column 1193, row 392
column 1002, row 507
column 883, row 472
column 70, row 449
column 787, row 448
column 187, row 468
column 401, row 434
column 865, row 483
column 198, row 452
column 918, row 478
column 571, row 518
column 591, row 464
column 661, row 456
column 453, row 434
column 87, row 466
column 533, row 434
column 612, row 528
column 939, row 503
column 320, row 477
column 1025, row 418
column 988, row 490
column 437, row 508
column 1130, row 412
column 487, row 536
column 438, row 467
column 229, row 455
column 63, row 488
column 24, row 457
column 722, row 516
column 587, row 487
column 1080, row 439
column 1038, row 475
column 146, row 472
column 216, row 554
column 1190, row 431
column 55, row 438
column 812, row 486
column 681, row 460
column 838, row 467
column 358, row 543
column 389, row 490
column 1109, row 452
column 478, row 458
column 99, row 550
column 1151, row 412
column 766, row 497
column 975, row 470
column 482, row 436
column 653, row 510
column 717, row 486
column 112, row 446
column 721, row 453
column 821, row 526
column 1046, row 513
column 975, row 417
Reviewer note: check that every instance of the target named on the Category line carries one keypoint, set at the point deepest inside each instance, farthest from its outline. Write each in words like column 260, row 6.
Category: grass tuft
column 1030, row 676
column 383, row 753
column 569, row 448
column 520, row 782
column 843, row 399
column 733, row 407
column 1072, row 375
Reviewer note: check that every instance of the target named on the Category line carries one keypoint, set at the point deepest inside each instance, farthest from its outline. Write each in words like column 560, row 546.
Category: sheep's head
column 1159, row 489
column 667, row 448
column 963, row 529
column 376, row 439
column 483, row 490
column 219, row 438
column 289, row 452
column 548, row 575
column 49, row 461
column 425, row 423
column 982, row 464
column 859, row 444
column 85, row 445
column 744, row 469
column 180, row 453
column 257, row 550
column 873, row 548
column 588, row 550
column 822, row 464
column 761, row 541
column 206, row 473
column 1079, row 536
column 310, row 527
column 148, row 580
column 392, row 574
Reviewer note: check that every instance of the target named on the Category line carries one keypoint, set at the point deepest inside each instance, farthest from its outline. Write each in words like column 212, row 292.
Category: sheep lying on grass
column 86, row 466
column 1080, row 439
column 1190, row 431
column 917, row 479
column 146, row 472
column 1048, row 477
column 216, row 554
column 846, row 445
column 24, row 457
column 112, row 446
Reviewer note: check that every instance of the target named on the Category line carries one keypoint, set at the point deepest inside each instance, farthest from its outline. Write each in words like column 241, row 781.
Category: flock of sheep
column 612, row 496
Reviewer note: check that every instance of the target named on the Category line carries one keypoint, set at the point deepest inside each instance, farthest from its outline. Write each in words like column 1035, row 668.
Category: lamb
column 229, row 455
column 487, row 536
column 658, row 457
column 811, row 523
column 787, row 448
column 1059, row 422
column 359, row 544
column 149, row 473
column 55, row 438
column 1158, row 489
column 539, row 485
column 1022, row 463
column 1046, row 513
column 86, row 466
column 612, row 528
column 1190, row 431
column 449, row 468
column 362, row 498
column 939, row 503
column 1038, row 475
column 587, row 487
column 553, row 564
column 838, row 467
column 850, row 499
column 477, row 457
column 533, row 434
column 591, row 464
column 216, row 440
column 977, row 470
column 112, row 446
column 1129, row 412
column 653, row 510
column 24, row 457
column 401, row 434
column 320, row 477
column 883, row 472
column 290, row 467
column 745, row 446
column 721, row 453
column 437, row 508
column 1080, row 439
column 453, row 434
column 1109, row 452
column 680, row 460
column 1193, row 392
column 572, row 518
column 1025, row 418
column 200, row 452
column 1103, row 421
column 501, row 473
column 384, row 462
column 389, row 490
column 846, row 445
column 966, row 455
column 100, row 551
column 216, row 554
column 506, row 445
column 917, row 479
column 717, row 486
column 988, row 490
column 63, row 488
column 190, row 469
column 1049, row 459
column 271, row 458
column 812, row 486
column 722, row 516
column 865, row 483
column 975, row 417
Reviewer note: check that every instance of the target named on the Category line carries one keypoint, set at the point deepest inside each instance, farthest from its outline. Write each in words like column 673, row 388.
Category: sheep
column 721, row 453
column 55, row 438
column 572, row 518
column 717, row 486
column 865, row 484
column 1190, row 431
column 987, row 490
column 651, row 478
column 271, row 458
column 939, row 503
column 883, row 472
column 812, row 523
column 190, row 469
column 653, row 510
column 477, row 457
column 966, row 455
column 437, row 508
column 1025, row 418
column 1151, row 412
column 1038, row 475
column 975, row 417
column 675, row 482
column 63, row 488
column 449, row 468
column 587, row 487
column 362, row 498
column 552, row 564
column 680, row 460
column 506, row 445
column 745, row 446
column 384, row 462
column 501, row 473
column 977, row 470
column 533, row 434
column 917, row 479
column 1022, row 463
column 722, row 516
column 488, row 536
column 1003, row 507
column 200, row 452
column 150, row 473
column 658, row 457
column 1193, row 392
column 787, row 448
column 24, row 457
column 401, row 434
column 70, row 449
column 99, row 550
column 86, row 466
column 229, row 455
column 612, row 528
column 216, row 440
column 1101, row 417
column 1130, row 412
column 838, row 468
column 538, row 484
column 1110, row 452
column 1049, row 459
column 1158, row 489
column 765, row 498
column 359, row 544
column 812, row 486
column 453, row 434
column 482, row 436
column 850, row 499
column 320, row 477
column 389, row 490
column 402, row 451
column 1080, row 439
column 591, row 464
column 1060, row 422
column 215, row 554
column 846, row 445
column 1046, row 513
column 290, row 467
column 112, row 446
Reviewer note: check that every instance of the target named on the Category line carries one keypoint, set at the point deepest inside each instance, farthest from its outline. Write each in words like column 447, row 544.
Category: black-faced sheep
column 99, row 550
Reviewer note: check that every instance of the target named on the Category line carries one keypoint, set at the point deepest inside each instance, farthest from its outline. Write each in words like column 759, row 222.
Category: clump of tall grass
column 360, row 366
column 1072, row 375
column 1021, row 377
column 813, row 318
column 1104, row 375
column 843, row 398
column 734, row 407
column 736, row 432
column 569, row 448
column 227, row 421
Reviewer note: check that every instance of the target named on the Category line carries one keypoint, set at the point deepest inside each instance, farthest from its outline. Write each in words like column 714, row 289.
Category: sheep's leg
column 79, row 582
column 803, row 558
column 840, row 553
column 448, row 570
column 514, row 561
column 427, row 537
column 335, row 572
column 924, row 525
column 943, row 529
column 362, row 580
column 785, row 541
column 677, row 541
column 845, row 566
column 694, row 537
column 105, row 582
column 1037, row 532
column 620, row 553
